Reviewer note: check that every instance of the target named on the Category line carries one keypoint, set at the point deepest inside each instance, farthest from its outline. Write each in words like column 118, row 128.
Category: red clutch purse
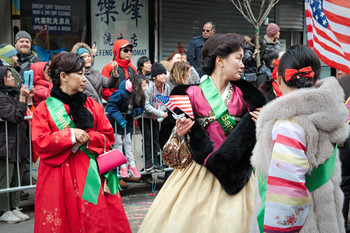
column 109, row 160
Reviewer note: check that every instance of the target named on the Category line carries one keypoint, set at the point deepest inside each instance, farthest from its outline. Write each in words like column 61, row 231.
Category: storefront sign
column 119, row 19
column 55, row 18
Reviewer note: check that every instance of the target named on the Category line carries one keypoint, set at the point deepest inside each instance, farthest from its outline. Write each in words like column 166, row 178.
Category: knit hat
column 157, row 69
column 83, row 50
column 6, row 52
column 22, row 34
column 272, row 29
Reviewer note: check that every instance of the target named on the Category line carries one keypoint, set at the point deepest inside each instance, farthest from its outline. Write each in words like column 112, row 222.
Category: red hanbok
column 59, row 206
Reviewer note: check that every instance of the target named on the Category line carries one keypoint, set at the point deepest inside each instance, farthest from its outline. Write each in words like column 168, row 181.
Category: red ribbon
column 304, row 72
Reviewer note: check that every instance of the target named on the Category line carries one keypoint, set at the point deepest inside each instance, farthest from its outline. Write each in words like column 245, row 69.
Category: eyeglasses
column 206, row 30
column 127, row 50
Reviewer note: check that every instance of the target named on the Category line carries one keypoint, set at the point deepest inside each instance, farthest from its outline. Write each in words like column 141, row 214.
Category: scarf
column 82, row 117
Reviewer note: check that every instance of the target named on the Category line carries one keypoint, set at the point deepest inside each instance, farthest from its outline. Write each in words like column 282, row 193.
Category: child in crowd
column 42, row 82
column 144, row 67
column 154, row 113
column 129, row 98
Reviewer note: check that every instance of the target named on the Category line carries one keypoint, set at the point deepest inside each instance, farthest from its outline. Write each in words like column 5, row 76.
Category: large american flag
column 177, row 101
column 328, row 31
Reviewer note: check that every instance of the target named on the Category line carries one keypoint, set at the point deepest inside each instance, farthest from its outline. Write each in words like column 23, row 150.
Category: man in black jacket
column 194, row 52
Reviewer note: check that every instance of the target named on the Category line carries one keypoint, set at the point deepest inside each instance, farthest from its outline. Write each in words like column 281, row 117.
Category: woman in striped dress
column 297, row 186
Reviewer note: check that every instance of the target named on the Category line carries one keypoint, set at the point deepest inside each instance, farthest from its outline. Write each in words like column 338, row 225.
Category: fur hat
column 157, row 69
column 22, row 34
column 272, row 29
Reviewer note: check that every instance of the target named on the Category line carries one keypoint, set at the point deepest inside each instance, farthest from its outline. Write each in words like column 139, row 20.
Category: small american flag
column 166, row 101
column 328, row 31
column 177, row 101
column 183, row 103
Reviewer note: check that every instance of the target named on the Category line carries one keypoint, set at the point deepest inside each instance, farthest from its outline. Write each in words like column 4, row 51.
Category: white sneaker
column 9, row 217
column 20, row 215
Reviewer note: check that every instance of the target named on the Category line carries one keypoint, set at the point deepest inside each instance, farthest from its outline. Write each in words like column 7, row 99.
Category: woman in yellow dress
column 213, row 189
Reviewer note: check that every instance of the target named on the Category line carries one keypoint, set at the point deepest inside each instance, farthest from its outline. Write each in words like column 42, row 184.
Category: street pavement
column 137, row 199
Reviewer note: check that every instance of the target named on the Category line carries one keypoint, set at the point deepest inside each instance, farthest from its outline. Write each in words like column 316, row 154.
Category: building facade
column 155, row 27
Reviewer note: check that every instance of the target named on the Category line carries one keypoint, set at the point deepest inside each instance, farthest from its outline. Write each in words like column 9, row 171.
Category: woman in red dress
column 68, row 131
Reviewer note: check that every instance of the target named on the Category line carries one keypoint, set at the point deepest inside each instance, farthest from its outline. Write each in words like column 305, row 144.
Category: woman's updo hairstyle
column 219, row 45
column 67, row 63
column 298, row 57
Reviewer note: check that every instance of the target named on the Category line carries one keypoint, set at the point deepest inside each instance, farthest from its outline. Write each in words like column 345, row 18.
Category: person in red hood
column 41, row 81
column 122, row 52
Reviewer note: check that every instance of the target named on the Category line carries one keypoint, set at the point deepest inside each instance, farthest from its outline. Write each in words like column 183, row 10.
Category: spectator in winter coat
column 194, row 52
column 122, row 53
column 41, row 81
column 23, row 44
column 271, row 37
column 250, row 52
column 13, row 110
column 8, row 58
column 95, row 81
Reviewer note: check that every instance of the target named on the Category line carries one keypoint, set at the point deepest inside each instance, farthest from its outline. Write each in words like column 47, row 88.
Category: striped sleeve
column 287, row 198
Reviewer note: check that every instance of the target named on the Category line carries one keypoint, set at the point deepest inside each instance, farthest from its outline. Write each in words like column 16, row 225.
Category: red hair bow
column 304, row 72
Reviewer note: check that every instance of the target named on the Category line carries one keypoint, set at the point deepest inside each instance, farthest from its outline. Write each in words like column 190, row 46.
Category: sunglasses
column 206, row 30
column 127, row 50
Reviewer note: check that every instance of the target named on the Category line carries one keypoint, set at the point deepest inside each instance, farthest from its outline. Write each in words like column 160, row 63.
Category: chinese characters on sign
column 119, row 19
column 55, row 18
column 107, row 10
column 134, row 7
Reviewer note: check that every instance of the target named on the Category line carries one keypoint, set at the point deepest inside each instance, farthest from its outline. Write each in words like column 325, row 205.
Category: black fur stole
column 231, row 162
column 82, row 117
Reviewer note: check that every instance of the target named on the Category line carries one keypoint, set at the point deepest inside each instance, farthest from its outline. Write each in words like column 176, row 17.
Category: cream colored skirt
column 192, row 200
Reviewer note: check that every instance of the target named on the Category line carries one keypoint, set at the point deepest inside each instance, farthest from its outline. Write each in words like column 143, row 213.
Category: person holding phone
column 122, row 53
column 13, row 110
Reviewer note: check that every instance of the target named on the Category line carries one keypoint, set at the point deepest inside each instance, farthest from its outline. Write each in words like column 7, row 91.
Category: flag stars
column 322, row 14
column 324, row 22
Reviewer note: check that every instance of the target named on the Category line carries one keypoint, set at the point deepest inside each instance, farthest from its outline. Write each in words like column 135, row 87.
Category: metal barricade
column 137, row 141
column 20, row 187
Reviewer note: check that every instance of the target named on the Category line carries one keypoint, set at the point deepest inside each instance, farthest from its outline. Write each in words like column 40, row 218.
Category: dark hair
column 269, row 56
column 137, row 95
column 140, row 63
column 171, row 55
column 219, row 45
column 67, row 63
column 297, row 57
column 52, row 56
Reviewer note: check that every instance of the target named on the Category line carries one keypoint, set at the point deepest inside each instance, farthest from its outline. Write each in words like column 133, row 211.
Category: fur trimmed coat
column 321, row 112
column 230, row 164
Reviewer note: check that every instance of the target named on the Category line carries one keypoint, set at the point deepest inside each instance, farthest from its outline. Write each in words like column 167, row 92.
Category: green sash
column 93, row 180
column 217, row 105
column 318, row 177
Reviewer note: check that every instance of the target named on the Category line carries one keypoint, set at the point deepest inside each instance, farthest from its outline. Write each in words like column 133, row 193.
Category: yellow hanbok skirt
column 192, row 200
